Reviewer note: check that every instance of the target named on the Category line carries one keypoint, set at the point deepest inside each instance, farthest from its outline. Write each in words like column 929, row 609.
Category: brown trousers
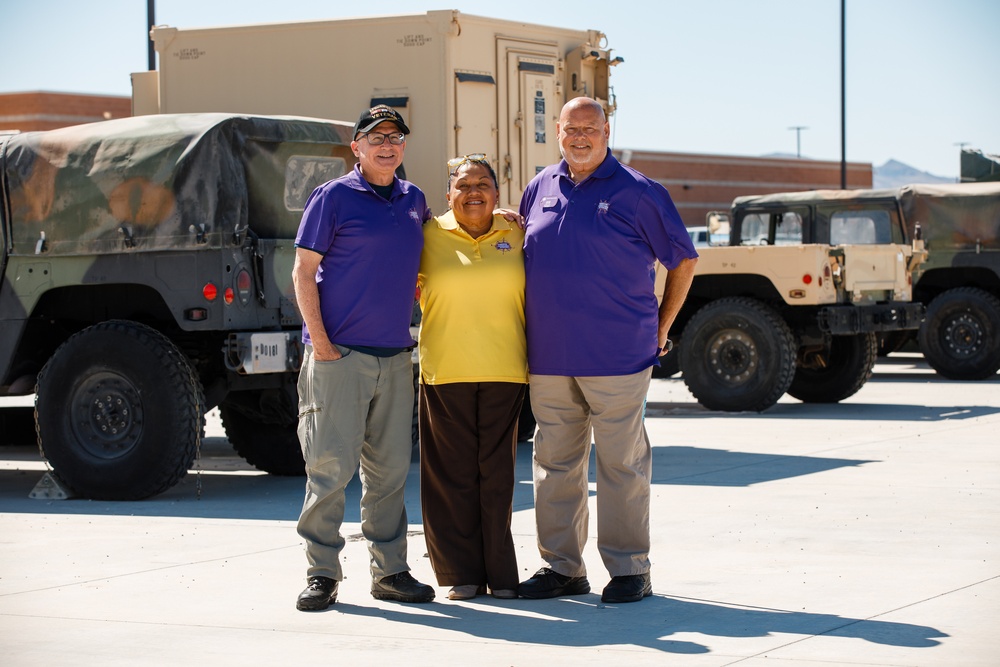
column 468, row 442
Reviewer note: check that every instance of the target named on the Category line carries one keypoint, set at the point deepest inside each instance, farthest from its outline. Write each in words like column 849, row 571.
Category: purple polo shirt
column 589, row 252
column 371, row 253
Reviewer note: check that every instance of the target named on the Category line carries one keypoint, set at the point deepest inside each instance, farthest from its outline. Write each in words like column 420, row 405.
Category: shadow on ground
column 651, row 623
column 225, row 487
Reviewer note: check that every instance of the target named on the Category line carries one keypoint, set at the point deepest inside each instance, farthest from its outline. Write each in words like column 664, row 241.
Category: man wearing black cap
column 357, row 254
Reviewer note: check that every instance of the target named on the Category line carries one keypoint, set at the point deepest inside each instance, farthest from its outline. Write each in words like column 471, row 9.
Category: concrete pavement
column 864, row 533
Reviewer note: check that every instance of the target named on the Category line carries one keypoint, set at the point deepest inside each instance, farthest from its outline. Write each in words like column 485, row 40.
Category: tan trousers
column 567, row 409
column 358, row 409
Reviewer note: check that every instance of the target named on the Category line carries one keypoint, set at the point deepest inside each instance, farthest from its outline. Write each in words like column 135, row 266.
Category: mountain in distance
column 892, row 174
column 895, row 174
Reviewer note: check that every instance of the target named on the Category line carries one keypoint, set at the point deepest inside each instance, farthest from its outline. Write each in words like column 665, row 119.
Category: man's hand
column 510, row 216
column 665, row 347
column 325, row 351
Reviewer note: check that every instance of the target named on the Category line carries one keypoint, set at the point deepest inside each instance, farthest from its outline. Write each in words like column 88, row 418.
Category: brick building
column 698, row 183
column 701, row 183
column 40, row 110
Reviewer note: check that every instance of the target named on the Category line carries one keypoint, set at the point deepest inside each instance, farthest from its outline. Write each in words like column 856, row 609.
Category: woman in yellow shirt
column 473, row 373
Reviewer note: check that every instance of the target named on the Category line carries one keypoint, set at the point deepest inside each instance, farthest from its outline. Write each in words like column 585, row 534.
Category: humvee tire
column 261, row 426
column 526, row 423
column 17, row 426
column 738, row 354
column 848, row 367
column 119, row 411
column 960, row 336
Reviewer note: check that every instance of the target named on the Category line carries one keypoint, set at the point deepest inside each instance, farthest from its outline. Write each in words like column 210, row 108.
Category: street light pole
column 151, row 21
column 843, row 95
column 798, row 138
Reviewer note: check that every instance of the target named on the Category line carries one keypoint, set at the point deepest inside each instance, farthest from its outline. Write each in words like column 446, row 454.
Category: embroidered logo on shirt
column 603, row 206
column 502, row 245
column 414, row 216
column 549, row 202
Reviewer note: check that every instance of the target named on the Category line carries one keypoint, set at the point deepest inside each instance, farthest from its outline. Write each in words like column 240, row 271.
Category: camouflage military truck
column 146, row 278
column 959, row 283
column 777, row 311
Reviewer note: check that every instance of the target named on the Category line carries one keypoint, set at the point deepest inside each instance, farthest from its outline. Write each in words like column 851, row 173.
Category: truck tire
column 526, row 423
column 960, row 336
column 848, row 367
column 415, row 419
column 262, row 427
column 738, row 354
column 17, row 426
column 120, row 413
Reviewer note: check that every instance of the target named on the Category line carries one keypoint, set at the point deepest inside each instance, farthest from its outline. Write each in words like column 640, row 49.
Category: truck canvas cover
column 164, row 181
column 959, row 216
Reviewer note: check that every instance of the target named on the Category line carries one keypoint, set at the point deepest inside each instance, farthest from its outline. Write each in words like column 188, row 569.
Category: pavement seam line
column 865, row 620
column 147, row 571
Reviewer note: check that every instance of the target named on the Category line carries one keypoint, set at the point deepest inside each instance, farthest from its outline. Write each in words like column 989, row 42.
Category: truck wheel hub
column 733, row 356
column 963, row 335
column 107, row 415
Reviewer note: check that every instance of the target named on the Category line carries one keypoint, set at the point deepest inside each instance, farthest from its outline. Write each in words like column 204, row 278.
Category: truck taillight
column 243, row 284
column 228, row 295
column 807, row 279
column 209, row 291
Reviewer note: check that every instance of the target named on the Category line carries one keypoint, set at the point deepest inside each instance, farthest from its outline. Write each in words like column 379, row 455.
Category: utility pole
column 798, row 138
column 151, row 21
column 843, row 95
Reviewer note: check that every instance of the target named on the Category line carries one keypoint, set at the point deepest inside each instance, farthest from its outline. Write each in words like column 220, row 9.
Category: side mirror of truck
column 919, row 255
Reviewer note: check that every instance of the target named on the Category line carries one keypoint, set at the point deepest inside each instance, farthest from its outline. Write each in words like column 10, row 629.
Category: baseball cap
column 379, row 114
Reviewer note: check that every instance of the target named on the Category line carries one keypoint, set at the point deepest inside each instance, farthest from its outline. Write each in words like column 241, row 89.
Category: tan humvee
column 780, row 315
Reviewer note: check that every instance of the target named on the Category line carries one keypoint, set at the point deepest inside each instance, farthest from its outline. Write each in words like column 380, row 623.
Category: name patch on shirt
column 549, row 202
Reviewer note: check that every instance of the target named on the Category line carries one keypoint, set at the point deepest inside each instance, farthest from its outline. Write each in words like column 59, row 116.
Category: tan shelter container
column 464, row 84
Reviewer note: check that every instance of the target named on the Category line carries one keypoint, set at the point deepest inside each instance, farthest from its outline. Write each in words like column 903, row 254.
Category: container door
column 475, row 116
column 531, row 94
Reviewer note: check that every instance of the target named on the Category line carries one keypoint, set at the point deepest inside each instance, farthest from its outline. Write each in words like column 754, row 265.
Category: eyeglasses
column 456, row 162
column 378, row 138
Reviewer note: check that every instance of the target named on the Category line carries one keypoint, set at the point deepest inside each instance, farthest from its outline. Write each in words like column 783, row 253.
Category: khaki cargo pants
column 567, row 409
column 355, row 410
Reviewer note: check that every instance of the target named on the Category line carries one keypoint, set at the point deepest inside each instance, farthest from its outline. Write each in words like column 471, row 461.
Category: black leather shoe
column 318, row 595
column 550, row 584
column 403, row 588
column 628, row 588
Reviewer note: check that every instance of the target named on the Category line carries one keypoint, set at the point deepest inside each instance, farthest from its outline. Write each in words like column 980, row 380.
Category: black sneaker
column 628, row 588
column 318, row 595
column 403, row 588
column 548, row 583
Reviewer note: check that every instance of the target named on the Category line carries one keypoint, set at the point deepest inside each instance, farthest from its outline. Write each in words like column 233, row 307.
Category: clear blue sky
column 700, row 76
